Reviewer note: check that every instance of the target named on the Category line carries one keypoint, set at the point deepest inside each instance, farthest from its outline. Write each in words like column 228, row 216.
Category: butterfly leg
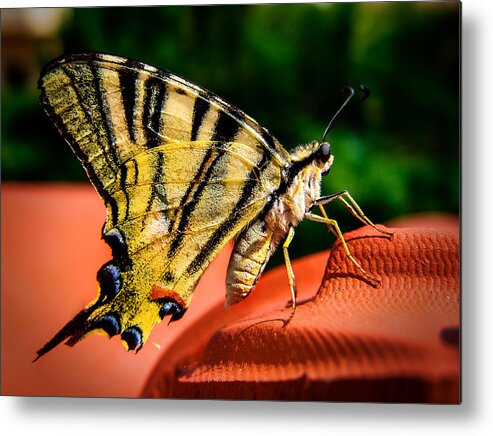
column 289, row 269
column 351, row 205
column 334, row 227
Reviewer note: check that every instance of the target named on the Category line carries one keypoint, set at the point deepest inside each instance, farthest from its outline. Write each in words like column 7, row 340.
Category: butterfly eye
column 171, row 307
column 110, row 281
column 133, row 337
column 109, row 324
column 324, row 152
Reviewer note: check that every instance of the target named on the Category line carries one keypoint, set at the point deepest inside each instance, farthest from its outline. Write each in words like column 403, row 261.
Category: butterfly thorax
column 301, row 187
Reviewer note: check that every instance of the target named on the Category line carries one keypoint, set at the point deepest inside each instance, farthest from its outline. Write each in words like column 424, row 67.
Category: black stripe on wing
column 154, row 101
column 225, row 131
column 128, row 84
column 200, row 108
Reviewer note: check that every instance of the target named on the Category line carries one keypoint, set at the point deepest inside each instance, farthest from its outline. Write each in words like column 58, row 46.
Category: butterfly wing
column 181, row 173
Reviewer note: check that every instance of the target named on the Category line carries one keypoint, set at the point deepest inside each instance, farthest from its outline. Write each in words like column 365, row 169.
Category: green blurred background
column 284, row 65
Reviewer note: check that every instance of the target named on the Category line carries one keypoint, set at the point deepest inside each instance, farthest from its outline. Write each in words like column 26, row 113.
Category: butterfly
column 181, row 172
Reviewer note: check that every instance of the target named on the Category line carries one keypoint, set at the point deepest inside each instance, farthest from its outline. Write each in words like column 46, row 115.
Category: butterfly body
column 182, row 173
column 286, row 208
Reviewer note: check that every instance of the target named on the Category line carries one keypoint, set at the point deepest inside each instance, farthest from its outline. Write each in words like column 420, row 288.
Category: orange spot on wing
column 159, row 292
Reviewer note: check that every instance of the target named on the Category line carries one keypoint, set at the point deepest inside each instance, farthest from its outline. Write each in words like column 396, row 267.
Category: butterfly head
column 316, row 155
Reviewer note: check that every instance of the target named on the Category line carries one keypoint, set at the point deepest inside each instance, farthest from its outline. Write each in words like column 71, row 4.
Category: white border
column 54, row 416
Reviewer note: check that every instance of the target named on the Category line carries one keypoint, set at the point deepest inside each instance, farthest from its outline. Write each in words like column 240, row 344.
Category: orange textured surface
column 352, row 342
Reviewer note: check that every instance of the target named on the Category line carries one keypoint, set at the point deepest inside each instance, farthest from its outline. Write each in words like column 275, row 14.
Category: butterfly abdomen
column 251, row 252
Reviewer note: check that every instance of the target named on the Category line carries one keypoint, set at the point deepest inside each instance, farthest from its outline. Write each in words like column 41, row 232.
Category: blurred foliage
column 397, row 153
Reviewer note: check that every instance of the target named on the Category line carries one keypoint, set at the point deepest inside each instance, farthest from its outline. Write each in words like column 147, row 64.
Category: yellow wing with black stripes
column 181, row 173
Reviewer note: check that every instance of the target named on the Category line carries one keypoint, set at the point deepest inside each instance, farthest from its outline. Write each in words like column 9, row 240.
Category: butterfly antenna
column 366, row 93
